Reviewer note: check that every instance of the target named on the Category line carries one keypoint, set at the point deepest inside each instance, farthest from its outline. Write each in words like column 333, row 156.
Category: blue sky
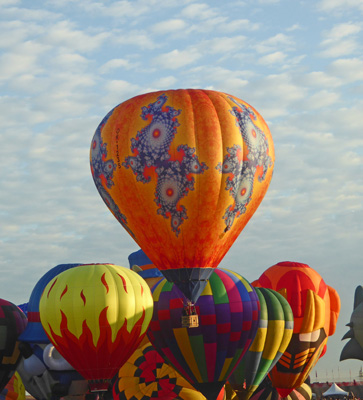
column 65, row 63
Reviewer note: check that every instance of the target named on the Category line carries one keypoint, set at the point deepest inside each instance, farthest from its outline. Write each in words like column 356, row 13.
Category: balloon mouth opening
column 284, row 392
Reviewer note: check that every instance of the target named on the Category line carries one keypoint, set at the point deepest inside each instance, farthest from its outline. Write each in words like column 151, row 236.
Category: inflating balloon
column 190, row 165
column 315, row 306
column 206, row 355
column 12, row 323
column 272, row 338
column 354, row 348
column 14, row 390
column 96, row 315
column 146, row 376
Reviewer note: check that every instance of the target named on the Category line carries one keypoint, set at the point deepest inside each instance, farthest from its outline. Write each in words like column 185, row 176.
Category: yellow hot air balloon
column 96, row 315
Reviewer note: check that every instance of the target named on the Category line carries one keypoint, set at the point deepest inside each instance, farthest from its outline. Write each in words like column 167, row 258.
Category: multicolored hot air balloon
column 315, row 306
column 191, row 165
column 206, row 355
column 354, row 348
column 146, row 376
column 14, row 390
column 12, row 323
column 267, row 392
column 273, row 336
column 96, row 315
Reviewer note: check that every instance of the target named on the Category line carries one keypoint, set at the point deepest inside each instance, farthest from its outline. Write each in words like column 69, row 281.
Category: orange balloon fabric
column 183, row 171
column 315, row 307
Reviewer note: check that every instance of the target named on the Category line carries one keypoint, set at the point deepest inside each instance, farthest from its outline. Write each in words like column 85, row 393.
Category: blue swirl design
column 151, row 149
column 102, row 170
column 240, row 184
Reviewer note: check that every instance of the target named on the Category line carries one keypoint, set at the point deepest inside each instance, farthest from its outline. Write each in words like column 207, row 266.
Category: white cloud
column 348, row 70
column 63, row 34
column 115, row 63
column 176, row 59
column 340, row 5
column 119, row 90
column 165, row 82
column 339, row 41
column 321, row 79
column 275, row 43
column 199, row 11
column 169, row 26
column 133, row 38
column 273, row 58
column 240, row 25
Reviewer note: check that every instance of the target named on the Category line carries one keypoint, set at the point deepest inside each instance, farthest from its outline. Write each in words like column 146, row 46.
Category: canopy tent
column 335, row 390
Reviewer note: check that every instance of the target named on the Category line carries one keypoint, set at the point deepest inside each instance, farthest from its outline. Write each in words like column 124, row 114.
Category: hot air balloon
column 146, row 376
column 12, row 323
column 268, row 392
column 315, row 306
column 96, row 315
column 273, row 336
column 46, row 374
column 14, row 389
column 141, row 263
column 354, row 348
column 191, row 165
column 206, row 355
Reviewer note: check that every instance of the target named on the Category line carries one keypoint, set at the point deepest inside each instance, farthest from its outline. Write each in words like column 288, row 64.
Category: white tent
column 335, row 390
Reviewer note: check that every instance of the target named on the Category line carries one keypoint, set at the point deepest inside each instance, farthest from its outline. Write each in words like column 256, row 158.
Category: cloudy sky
column 65, row 63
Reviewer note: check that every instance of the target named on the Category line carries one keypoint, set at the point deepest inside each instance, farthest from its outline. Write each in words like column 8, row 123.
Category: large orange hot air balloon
column 183, row 171
column 315, row 307
column 96, row 316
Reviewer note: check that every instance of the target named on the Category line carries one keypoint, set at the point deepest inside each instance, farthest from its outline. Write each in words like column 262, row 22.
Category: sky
column 65, row 63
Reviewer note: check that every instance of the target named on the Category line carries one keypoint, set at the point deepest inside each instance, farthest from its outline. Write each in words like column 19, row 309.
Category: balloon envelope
column 14, row 390
column 34, row 332
column 146, row 376
column 315, row 307
column 12, row 323
column 190, row 165
column 206, row 355
column 96, row 315
column 272, row 338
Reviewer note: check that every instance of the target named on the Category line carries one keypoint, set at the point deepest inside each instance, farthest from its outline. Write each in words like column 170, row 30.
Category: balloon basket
column 190, row 317
column 99, row 385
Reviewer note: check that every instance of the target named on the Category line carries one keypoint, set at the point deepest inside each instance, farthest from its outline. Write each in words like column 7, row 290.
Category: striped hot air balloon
column 206, row 355
column 272, row 338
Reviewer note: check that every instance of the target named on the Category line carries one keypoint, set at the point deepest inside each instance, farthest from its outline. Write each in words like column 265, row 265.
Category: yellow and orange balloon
column 183, row 171
column 96, row 315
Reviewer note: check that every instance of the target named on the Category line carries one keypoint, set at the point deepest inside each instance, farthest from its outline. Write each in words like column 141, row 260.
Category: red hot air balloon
column 190, row 165
column 315, row 307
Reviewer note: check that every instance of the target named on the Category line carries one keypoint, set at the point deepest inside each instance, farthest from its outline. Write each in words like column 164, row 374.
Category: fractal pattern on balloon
column 243, row 169
column 151, row 146
column 102, row 172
